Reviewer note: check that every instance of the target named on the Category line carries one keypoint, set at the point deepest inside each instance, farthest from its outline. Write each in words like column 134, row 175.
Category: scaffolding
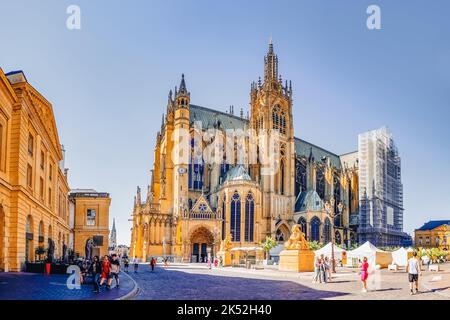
column 381, row 189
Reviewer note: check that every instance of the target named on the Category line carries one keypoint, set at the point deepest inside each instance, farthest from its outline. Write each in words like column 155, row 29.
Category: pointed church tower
column 113, row 236
column 271, row 115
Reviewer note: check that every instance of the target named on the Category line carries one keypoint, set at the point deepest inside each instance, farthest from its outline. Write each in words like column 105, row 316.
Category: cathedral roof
column 212, row 118
column 308, row 201
column 238, row 173
column 216, row 119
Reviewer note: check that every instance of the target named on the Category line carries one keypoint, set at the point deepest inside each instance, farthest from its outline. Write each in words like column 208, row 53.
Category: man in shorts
column 413, row 270
column 115, row 269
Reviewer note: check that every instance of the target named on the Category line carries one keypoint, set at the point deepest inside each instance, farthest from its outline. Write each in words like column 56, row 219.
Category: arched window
column 235, row 223
column 249, row 217
column 320, row 183
column 41, row 233
column 279, row 235
column 224, row 217
column 303, row 225
column 300, row 177
column 195, row 178
column 282, row 177
column 278, row 119
column 337, row 198
column 327, row 231
column 315, row 229
column 337, row 237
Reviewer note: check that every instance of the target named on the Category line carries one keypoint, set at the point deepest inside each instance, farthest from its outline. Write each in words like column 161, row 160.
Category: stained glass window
column 327, row 231
column 235, row 223
column 320, row 183
column 315, row 229
column 249, row 217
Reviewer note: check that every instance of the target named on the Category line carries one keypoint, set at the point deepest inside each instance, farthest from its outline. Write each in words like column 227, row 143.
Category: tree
column 268, row 244
column 314, row 245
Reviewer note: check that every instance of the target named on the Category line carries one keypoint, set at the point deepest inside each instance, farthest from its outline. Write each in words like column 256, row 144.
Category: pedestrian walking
column 106, row 272
column 323, row 270
column 413, row 269
column 136, row 265
column 327, row 264
column 115, row 270
column 95, row 269
column 316, row 277
column 153, row 263
column 364, row 271
column 126, row 264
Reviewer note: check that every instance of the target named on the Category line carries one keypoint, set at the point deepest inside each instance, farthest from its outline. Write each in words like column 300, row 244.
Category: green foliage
column 435, row 255
column 40, row 251
column 268, row 244
column 314, row 245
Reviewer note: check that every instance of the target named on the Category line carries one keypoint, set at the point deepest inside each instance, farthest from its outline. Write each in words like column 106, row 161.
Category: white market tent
column 400, row 257
column 374, row 256
column 326, row 251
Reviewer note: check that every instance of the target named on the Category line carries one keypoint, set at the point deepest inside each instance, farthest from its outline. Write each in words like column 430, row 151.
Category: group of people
column 322, row 269
column 322, row 272
column 102, row 272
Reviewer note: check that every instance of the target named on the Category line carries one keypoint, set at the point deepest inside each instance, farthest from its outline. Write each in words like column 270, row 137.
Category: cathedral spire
column 270, row 65
column 183, row 89
column 113, row 236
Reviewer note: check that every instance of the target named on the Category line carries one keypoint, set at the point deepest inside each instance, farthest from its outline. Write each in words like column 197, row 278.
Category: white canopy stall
column 374, row 256
column 326, row 251
column 400, row 257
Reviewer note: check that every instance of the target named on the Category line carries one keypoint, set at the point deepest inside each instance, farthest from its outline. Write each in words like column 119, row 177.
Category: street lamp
column 329, row 208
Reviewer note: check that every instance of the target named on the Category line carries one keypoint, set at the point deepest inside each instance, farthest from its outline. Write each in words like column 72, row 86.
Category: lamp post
column 329, row 208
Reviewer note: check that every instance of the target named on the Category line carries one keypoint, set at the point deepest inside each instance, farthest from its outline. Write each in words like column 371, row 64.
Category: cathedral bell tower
column 180, row 157
column 271, row 117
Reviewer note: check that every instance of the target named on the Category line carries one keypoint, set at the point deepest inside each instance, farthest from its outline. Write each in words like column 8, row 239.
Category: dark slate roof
column 308, row 201
column 238, row 173
column 430, row 225
column 304, row 149
column 212, row 118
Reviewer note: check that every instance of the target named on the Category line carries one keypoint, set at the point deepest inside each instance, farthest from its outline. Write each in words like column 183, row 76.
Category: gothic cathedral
column 193, row 204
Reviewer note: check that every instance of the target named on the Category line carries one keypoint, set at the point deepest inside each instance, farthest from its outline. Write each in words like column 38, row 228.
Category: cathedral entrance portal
column 202, row 241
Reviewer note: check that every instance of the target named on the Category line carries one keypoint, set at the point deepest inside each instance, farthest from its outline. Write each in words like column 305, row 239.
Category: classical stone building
column 91, row 221
column 34, row 210
column 434, row 234
column 190, row 205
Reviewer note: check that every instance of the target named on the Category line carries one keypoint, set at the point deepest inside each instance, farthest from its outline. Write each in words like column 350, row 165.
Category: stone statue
column 297, row 240
column 88, row 249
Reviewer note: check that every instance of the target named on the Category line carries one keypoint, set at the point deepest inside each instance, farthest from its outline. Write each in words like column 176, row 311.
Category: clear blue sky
column 109, row 81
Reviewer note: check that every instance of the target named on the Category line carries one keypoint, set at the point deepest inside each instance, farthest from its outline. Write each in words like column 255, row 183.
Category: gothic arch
column 315, row 229
column 304, row 226
column 282, row 233
column 326, row 231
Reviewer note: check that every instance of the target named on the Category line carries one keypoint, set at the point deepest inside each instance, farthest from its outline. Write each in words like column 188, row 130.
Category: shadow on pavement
column 171, row 283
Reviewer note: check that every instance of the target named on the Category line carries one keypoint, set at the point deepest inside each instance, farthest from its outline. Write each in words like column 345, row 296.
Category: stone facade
column 433, row 234
column 34, row 210
column 91, row 222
